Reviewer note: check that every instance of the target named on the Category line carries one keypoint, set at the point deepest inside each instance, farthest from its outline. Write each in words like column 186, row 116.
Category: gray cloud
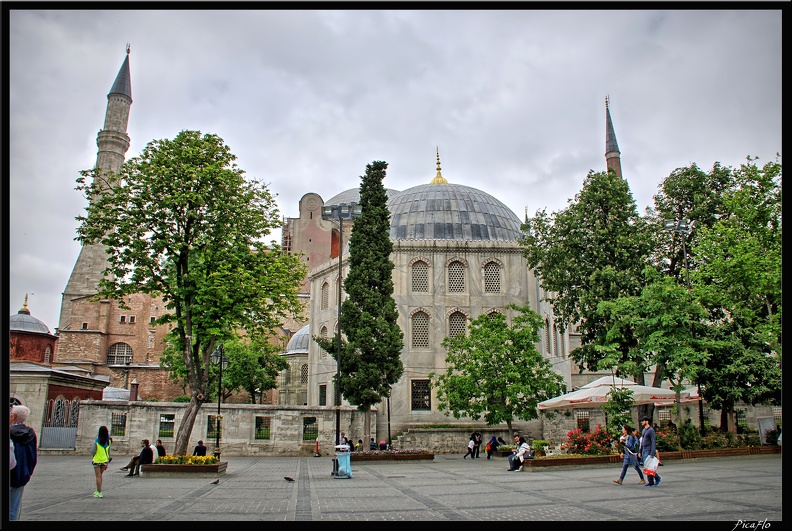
column 307, row 98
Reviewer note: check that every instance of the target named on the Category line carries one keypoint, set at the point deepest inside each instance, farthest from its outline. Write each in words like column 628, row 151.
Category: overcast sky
column 515, row 101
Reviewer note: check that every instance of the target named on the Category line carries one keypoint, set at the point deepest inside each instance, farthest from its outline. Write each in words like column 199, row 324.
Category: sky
column 514, row 100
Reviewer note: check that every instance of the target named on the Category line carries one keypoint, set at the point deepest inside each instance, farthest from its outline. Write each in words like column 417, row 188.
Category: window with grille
column 492, row 278
column 777, row 414
column 457, row 324
column 420, row 330
column 323, row 395
column 325, row 295
column 742, row 418
column 118, row 424
column 119, row 354
column 420, row 277
column 212, row 427
column 287, row 376
column 323, row 333
column 548, row 341
column 555, row 341
column 583, row 421
column 421, row 396
column 663, row 414
column 456, row 277
column 47, row 354
column 263, row 427
column 310, row 429
column 304, row 374
column 166, row 425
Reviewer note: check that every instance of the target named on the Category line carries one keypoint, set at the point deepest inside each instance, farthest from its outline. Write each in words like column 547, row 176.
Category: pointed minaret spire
column 24, row 306
column 438, row 179
column 113, row 143
column 612, row 153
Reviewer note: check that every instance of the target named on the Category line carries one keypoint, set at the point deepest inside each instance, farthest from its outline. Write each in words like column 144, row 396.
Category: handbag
column 650, row 466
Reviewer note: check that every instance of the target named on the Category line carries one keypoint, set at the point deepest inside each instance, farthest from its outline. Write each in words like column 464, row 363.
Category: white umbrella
column 595, row 393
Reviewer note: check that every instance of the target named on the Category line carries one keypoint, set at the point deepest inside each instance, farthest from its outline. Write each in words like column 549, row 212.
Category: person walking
column 492, row 445
column 101, row 457
column 629, row 454
column 470, row 446
column 25, row 454
column 477, row 438
column 648, row 449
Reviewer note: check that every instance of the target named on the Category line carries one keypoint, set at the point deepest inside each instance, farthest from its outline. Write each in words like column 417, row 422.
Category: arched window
column 555, row 338
column 492, row 277
column 420, row 330
column 47, row 354
column 420, row 277
column 304, row 374
column 548, row 341
column 457, row 324
column 325, row 295
column 119, row 354
column 456, row 277
column 323, row 333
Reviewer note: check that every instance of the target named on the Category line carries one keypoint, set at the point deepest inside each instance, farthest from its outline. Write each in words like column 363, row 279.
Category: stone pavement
column 738, row 493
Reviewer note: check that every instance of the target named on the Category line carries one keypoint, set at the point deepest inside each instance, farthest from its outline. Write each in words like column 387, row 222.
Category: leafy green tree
column 592, row 251
column 253, row 366
column 618, row 409
column 371, row 354
column 738, row 280
column 496, row 370
column 182, row 221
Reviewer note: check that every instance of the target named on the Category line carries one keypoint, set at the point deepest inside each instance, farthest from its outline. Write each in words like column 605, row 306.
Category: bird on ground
column 215, row 482
column 287, row 478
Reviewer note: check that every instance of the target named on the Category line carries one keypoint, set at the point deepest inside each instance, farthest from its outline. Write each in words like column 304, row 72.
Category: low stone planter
column 183, row 471
column 365, row 459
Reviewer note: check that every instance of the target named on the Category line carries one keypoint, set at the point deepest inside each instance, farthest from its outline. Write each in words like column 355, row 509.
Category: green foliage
column 596, row 442
column 496, row 370
column 667, row 439
column 371, row 354
column 618, row 409
column 181, row 221
column 540, row 445
column 592, row 251
column 181, row 398
column 689, row 436
column 253, row 365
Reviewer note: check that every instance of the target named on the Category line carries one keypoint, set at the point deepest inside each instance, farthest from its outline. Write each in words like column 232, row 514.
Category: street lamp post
column 340, row 213
column 219, row 359
column 684, row 227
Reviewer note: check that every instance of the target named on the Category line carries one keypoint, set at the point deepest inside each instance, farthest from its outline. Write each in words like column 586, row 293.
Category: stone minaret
column 612, row 154
column 113, row 143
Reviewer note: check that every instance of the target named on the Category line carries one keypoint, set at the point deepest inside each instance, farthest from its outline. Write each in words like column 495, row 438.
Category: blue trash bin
column 344, row 465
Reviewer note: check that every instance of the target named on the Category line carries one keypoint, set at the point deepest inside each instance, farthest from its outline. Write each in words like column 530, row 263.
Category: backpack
column 632, row 444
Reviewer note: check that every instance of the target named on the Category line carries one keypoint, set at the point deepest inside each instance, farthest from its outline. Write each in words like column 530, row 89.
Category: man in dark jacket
column 145, row 457
column 26, row 454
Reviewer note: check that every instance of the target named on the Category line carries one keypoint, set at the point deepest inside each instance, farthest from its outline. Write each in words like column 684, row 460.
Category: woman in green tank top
column 101, row 457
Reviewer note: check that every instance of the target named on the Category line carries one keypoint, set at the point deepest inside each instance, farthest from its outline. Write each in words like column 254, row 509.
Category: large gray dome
column 450, row 212
column 353, row 196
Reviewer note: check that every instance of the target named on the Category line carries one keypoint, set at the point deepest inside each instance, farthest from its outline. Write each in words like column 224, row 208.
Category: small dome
column 24, row 322
column 298, row 344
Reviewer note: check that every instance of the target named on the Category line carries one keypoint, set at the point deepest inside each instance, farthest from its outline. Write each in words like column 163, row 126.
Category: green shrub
column 540, row 445
column 666, row 438
column 597, row 442
column 182, row 398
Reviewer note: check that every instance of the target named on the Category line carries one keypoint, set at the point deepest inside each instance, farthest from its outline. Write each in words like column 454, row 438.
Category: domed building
column 456, row 256
column 293, row 384
column 30, row 338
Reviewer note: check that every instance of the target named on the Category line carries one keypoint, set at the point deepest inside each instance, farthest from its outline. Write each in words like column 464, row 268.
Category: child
column 470, row 449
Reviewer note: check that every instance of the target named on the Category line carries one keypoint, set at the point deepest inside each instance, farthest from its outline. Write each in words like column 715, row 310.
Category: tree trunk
column 186, row 426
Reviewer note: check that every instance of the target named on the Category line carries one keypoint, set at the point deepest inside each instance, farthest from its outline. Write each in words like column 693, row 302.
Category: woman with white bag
column 649, row 453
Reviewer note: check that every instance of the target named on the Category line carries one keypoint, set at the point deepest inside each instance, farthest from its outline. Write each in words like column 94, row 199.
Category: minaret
column 113, row 143
column 438, row 179
column 612, row 154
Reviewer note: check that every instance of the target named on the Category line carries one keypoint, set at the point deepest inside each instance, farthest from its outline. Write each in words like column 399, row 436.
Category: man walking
column 26, row 455
column 648, row 440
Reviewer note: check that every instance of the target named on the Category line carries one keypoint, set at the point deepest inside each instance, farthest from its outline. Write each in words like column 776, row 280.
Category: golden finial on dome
column 438, row 179
column 127, row 48
column 24, row 306
column 606, row 101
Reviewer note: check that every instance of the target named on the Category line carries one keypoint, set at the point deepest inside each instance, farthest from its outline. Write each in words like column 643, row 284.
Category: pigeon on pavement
column 287, row 478
column 215, row 482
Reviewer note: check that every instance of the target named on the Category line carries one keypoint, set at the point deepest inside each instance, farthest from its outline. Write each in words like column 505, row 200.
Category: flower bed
column 157, row 470
column 391, row 456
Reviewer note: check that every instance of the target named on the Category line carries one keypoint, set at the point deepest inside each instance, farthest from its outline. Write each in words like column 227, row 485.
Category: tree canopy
column 181, row 221
column 496, row 370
